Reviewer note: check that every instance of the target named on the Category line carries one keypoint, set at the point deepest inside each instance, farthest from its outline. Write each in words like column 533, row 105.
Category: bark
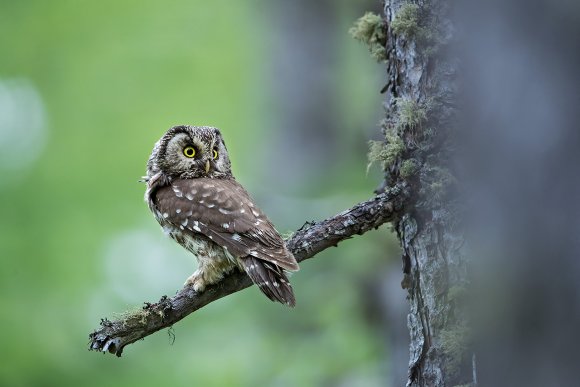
column 420, row 104
column 309, row 240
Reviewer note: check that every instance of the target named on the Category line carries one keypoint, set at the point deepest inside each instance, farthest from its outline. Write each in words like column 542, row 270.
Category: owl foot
column 197, row 281
column 200, row 279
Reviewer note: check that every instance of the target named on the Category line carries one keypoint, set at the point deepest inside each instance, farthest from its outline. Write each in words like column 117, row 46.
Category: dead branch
column 310, row 239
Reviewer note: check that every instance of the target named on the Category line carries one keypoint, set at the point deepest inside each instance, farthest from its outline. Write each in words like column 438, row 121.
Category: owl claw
column 196, row 281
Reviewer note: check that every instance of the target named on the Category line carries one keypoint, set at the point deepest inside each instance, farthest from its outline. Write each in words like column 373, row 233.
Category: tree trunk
column 420, row 105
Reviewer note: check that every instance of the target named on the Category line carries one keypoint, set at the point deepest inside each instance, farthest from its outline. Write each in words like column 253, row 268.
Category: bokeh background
column 86, row 88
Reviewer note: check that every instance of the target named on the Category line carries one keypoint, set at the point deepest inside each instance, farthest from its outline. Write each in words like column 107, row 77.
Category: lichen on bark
column 420, row 112
column 371, row 30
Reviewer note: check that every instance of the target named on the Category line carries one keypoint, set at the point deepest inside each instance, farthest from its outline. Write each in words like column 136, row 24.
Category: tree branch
column 310, row 239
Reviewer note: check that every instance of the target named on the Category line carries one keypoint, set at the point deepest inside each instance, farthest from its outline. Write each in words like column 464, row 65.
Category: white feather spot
column 256, row 213
column 201, row 201
column 253, row 253
column 165, row 215
column 226, row 225
column 276, row 284
column 267, row 283
column 237, row 237
column 207, row 186
column 189, row 196
column 177, row 211
column 242, row 211
column 257, row 223
column 210, row 205
column 179, row 194
column 189, row 213
column 210, row 237
column 181, row 227
column 205, row 194
column 196, row 228
column 184, row 223
column 224, row 211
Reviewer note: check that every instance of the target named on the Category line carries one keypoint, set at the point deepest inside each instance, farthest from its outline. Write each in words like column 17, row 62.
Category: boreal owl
column 198, row 202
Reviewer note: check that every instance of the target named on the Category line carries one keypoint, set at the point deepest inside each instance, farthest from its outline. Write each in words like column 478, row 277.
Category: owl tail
column 271, row 280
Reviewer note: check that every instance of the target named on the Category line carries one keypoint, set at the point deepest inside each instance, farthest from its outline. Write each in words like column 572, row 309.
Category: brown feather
column 271, row 280
column 223, row 211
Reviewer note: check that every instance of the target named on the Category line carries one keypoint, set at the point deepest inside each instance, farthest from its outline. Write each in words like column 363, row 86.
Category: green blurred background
column 86, row 88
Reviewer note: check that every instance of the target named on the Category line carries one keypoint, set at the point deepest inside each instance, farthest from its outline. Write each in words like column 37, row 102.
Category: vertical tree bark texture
column 420, row 104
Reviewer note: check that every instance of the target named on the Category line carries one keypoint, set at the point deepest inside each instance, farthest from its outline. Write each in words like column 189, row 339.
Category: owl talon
column 196, row 281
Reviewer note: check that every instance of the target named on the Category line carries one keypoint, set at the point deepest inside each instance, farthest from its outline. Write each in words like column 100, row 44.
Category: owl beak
column 207, row 166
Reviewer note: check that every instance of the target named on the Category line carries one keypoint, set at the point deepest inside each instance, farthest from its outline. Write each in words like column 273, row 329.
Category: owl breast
column 209, row 255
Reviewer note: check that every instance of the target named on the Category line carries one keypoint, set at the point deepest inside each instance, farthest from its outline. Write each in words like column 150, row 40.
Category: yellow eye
column 189, row 151
column 215, row 154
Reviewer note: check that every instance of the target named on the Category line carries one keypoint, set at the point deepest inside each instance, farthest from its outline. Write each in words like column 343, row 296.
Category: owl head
column 189, row 152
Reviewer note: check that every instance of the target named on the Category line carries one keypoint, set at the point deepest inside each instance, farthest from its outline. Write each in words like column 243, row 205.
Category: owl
column 197, row 201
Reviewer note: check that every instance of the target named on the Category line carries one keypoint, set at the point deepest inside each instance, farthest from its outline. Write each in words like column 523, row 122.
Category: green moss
column 413, row 23
column 371, row 30
column 376, row 153
column 406, row 21
column 411, row 114
column 367, row 27
column 394, row 149
column 454, row 344
column 134, row 315
column 387, row 152
column 409, row 168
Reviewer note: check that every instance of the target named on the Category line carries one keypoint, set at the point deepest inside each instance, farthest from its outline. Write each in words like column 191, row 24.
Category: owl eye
column 215, row 154
column 189, row 151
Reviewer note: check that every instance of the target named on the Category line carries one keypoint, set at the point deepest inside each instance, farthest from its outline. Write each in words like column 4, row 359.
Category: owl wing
column 223, row 211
